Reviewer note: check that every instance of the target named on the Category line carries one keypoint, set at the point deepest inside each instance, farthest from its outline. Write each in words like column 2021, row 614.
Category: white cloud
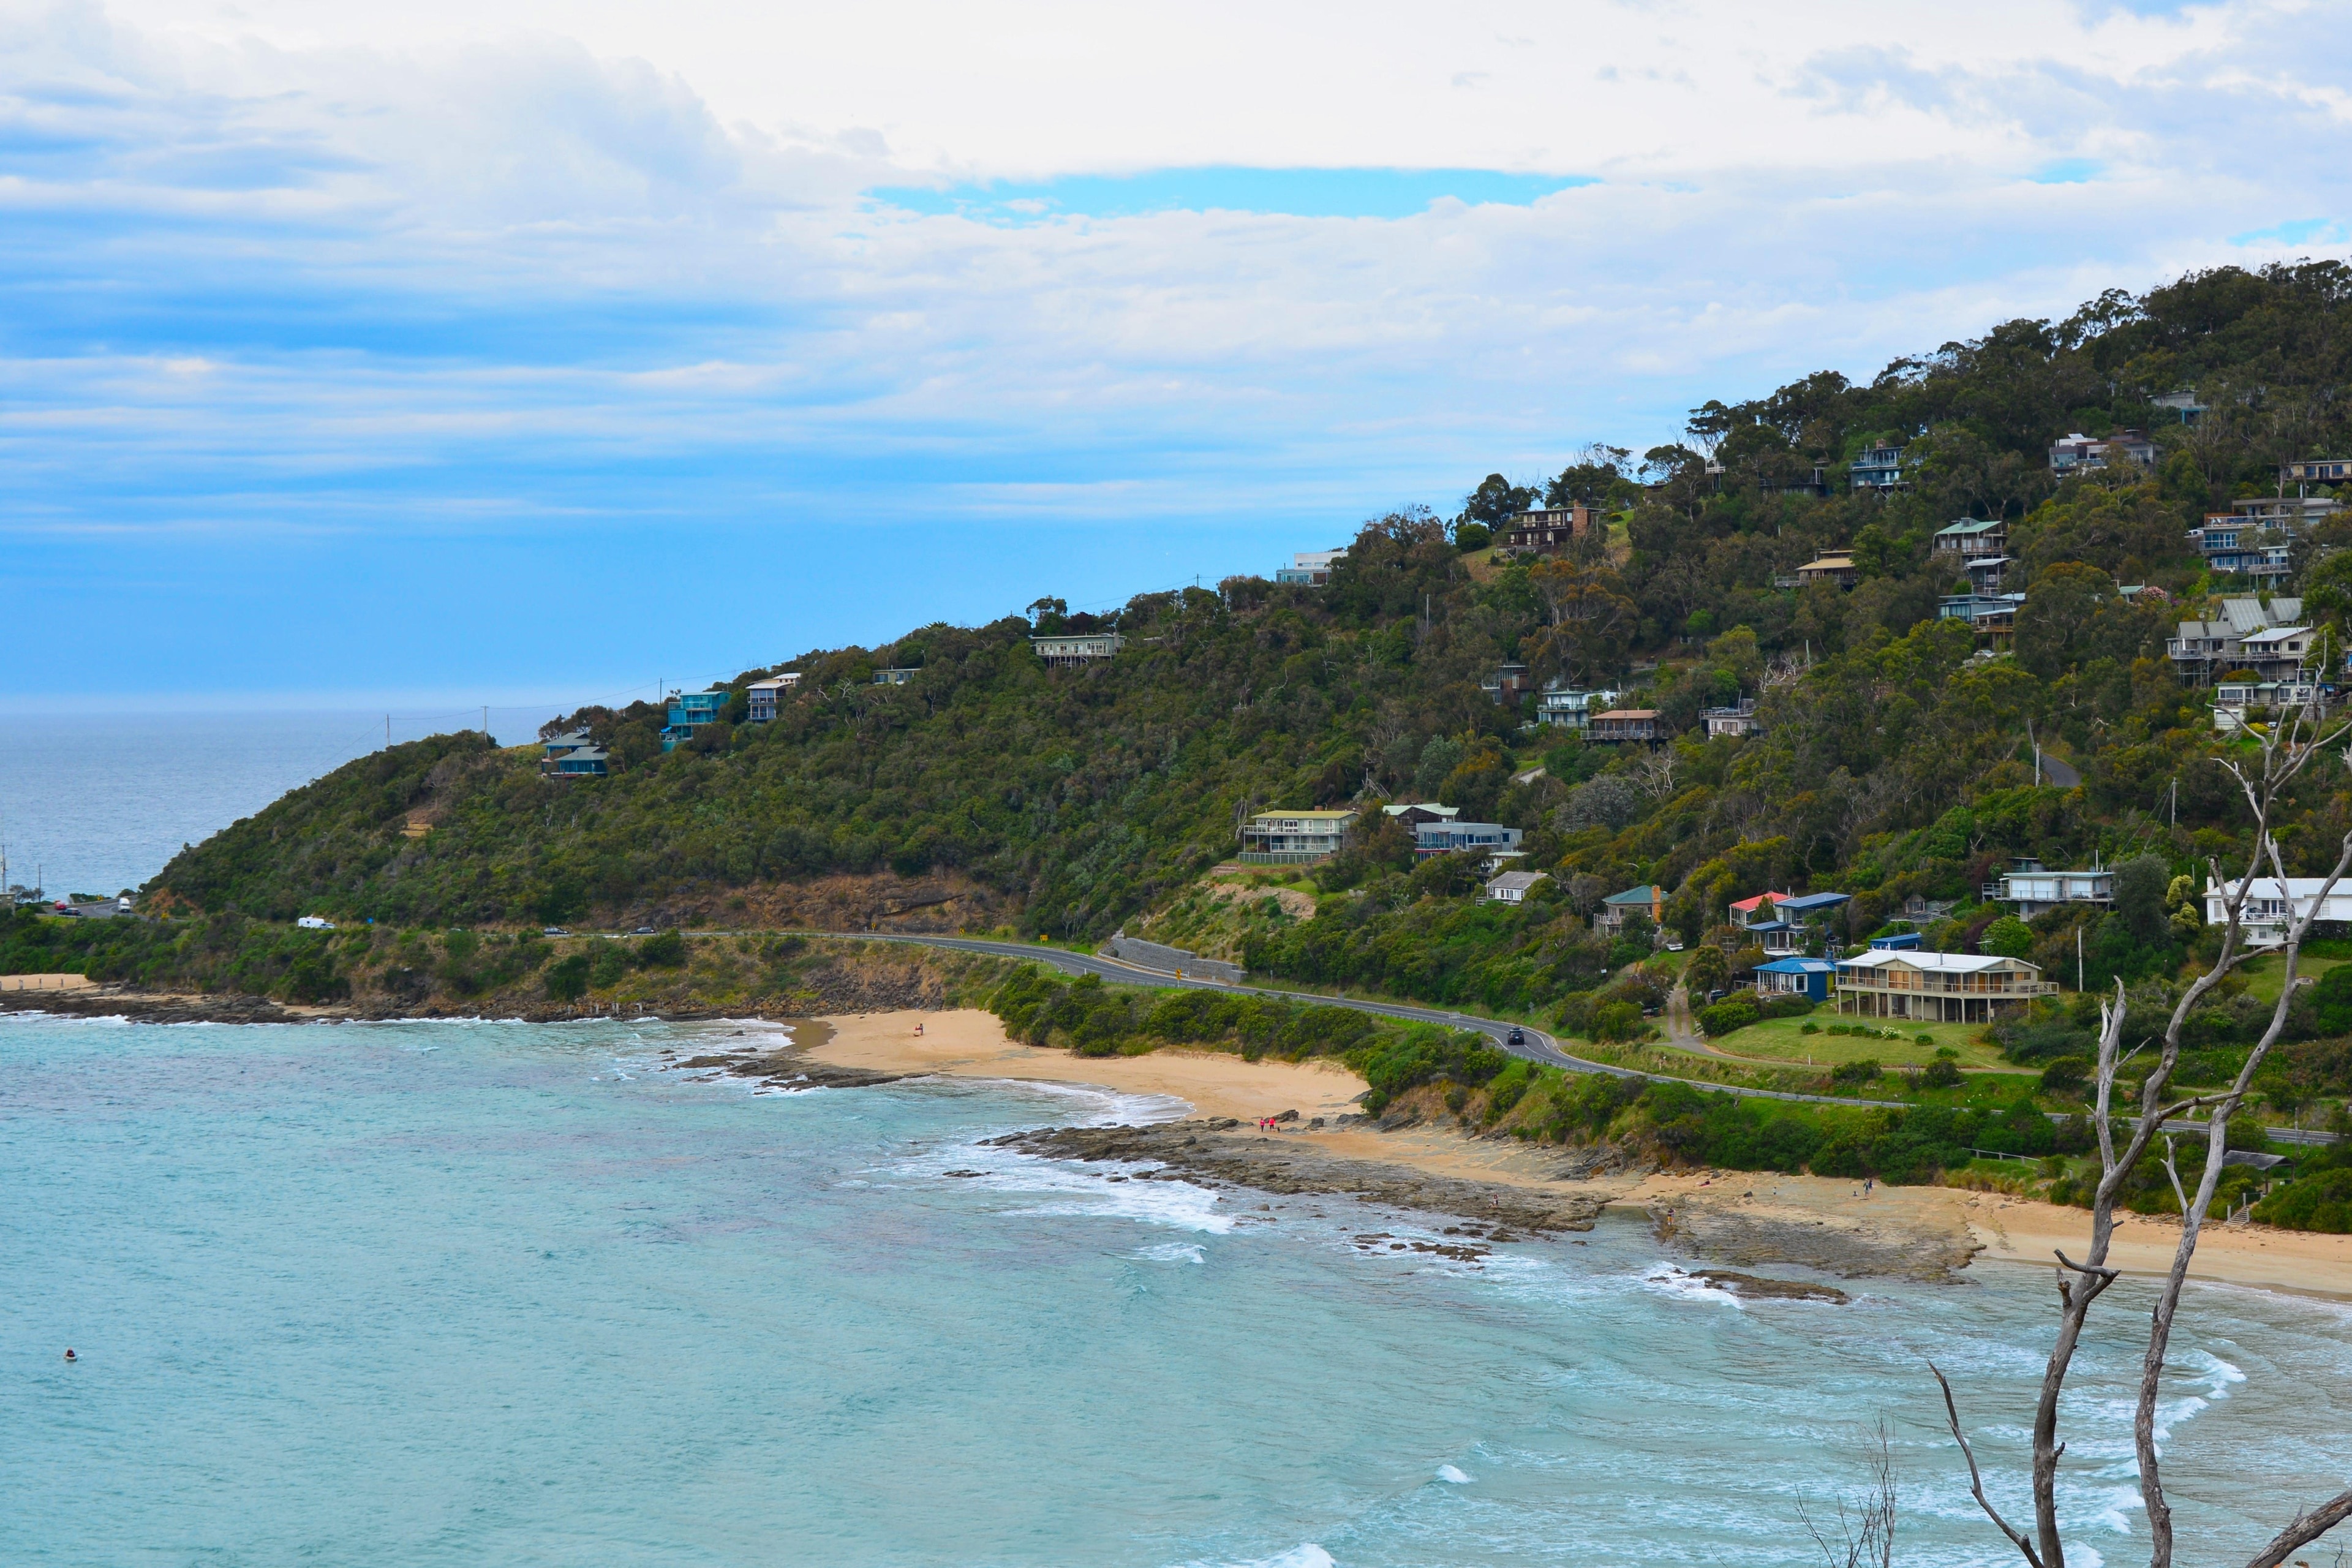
column 425, row 239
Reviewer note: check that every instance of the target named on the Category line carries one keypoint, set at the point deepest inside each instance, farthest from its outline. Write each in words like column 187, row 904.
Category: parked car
column 642, row 930
column 1674, row 946
column 553, row 931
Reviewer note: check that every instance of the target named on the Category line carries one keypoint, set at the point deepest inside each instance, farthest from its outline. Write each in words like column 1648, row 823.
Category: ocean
column 460, row 1293
column 98, row 802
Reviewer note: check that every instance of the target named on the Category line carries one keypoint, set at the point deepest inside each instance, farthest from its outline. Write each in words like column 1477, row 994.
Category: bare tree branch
column 2307, row 1528
column 1976, row 1478
column 2285, row 751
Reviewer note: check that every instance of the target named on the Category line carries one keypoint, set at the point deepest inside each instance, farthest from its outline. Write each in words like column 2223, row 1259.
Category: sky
column 525, row 351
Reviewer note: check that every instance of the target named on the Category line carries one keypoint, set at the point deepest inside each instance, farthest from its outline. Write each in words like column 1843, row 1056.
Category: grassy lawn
column 1783, row 1040
column 2265, row 974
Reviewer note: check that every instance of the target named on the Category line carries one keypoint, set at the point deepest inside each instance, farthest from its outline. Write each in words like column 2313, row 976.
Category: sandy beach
column 1753, row 1215
column 972, row 1044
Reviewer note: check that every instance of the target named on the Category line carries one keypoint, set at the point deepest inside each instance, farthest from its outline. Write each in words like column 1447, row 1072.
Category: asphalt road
column 1536, row 1045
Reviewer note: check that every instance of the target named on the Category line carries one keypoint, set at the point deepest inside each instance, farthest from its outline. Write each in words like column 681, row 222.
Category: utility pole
column 2176, row 801
column 387, row 731
column 2078, row 958
column 485, row 717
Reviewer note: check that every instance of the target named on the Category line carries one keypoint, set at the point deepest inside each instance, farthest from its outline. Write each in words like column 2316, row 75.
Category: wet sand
column 1740, row 1216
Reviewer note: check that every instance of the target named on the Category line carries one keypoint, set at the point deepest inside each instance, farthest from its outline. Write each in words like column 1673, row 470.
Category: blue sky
column 516, row 350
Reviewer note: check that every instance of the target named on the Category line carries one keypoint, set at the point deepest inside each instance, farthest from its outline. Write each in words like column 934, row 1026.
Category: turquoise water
column 447, row 1293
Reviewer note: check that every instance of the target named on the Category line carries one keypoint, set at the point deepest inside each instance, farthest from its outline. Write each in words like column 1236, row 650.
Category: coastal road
column 1536, row 1046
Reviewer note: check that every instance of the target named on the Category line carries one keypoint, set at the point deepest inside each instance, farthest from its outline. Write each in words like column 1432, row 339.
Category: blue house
column 690, row 711
column 1901, row 941
column 1806, row 977
column 573, row 756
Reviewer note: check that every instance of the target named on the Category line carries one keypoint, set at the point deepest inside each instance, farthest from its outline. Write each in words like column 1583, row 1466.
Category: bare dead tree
column 1654, row 771
column 1865, row 1535
column 2282, row 754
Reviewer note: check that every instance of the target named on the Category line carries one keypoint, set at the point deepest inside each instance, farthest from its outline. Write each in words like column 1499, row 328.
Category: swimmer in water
column 69, row 1355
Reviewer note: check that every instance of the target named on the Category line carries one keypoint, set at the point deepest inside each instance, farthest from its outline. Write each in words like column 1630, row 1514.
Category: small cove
column 437, row 1293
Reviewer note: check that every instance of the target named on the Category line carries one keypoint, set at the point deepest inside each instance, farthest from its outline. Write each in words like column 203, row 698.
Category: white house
column 1513, row 886
column 1290, row 837
column 2269, row 907
column 763, row 695
column 1309, row 568
column 1078, row 648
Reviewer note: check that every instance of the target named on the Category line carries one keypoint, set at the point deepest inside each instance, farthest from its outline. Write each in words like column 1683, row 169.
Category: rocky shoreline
column 1227, row 1153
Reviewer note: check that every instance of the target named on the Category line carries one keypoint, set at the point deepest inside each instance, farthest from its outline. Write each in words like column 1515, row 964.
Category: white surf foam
column 1114, row 1191
column 1668, row 1280
column 1173, row 1252
column 1452, row 1476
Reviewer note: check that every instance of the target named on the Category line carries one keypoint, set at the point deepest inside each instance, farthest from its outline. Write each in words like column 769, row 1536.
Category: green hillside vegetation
column 398, row 972
column 1896, row 760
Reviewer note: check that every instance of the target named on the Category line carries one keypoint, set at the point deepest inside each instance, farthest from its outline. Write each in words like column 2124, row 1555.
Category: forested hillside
column 1897, row 757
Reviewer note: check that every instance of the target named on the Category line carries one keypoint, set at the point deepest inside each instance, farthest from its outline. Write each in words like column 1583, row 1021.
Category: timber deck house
column 1937, row 987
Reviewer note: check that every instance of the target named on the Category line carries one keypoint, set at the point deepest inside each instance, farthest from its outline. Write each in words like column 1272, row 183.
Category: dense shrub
column 567, row 978
column 1095, row 1019
column 2321, row 1202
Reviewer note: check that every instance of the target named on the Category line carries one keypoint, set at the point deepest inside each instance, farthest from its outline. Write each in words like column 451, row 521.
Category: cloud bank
column 418, row 345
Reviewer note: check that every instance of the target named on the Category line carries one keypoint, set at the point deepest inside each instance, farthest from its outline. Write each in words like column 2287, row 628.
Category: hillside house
column 1412, row 814
column 1453, row 837
column 2233, row 699
column 1648, row 900
column 2033, row 889
column 765, row 696
column 1968, row 538
column 1075, row 649
column 1294, row 838
column 1570, row 707
column 1836, row 566
column 2271, row 905
column 691, row 711
column 1879, row 469
column 1626, row 724
column 1937, row 987
column 1806, row 977
column 2255, row 537
column 1308, row 568
column 1544, row 530
column 1740, row 718
column 2205, row 648
column 573, row 756
column 2078, row 452
column 1992, row 617
column 899, row 677
column 1747, row 912
column 1507, row 684
column 2316, row 471
column 1513, row 886
column 1785, row 923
